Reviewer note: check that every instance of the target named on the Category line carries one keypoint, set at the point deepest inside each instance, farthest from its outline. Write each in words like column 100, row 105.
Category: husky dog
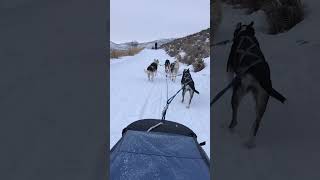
column 187, row 84
column 152, row 69
column 248, row 62
column 174, row 68
column 167, row 66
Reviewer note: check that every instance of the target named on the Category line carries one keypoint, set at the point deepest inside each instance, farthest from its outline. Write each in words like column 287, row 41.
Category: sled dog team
column 172, row 69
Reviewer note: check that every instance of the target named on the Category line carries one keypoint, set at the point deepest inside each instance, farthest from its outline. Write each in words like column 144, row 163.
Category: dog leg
column 261, row 98
column 237, row 95
column 183, row 93
column 191, row 96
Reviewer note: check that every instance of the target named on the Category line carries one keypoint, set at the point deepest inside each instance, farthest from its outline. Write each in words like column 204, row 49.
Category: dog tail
column 196, row 91
column 277, row 95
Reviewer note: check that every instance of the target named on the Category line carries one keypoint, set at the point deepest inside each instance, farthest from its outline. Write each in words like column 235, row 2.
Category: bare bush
column 198, row 65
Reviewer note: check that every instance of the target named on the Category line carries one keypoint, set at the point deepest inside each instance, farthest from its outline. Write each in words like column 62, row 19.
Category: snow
column 182, row 54
column 287, row 143
column 133, row 97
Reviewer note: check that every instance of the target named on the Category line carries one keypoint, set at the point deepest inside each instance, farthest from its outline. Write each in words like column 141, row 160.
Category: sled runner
column 158, row 149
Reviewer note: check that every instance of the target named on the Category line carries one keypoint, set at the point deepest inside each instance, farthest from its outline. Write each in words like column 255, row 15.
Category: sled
column 158, row 149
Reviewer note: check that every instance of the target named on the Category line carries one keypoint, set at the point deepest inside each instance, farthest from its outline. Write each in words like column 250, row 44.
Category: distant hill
column 148, row 45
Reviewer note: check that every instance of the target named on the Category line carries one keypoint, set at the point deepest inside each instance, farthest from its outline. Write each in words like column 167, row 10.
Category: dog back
column 152, row 67
column 172, row 65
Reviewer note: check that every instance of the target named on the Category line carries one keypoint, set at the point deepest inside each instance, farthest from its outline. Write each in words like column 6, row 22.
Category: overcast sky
column 147, row 20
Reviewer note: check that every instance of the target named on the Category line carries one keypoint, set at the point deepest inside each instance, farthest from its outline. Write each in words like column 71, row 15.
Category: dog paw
column 188, row 107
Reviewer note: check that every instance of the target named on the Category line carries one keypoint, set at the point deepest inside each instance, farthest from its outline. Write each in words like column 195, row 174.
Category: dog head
column 186, row 73
column 156, row 61
column 244, row 29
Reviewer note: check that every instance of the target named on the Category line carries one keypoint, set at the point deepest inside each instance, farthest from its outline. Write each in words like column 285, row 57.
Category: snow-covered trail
column 133, row 97
column 287, row 143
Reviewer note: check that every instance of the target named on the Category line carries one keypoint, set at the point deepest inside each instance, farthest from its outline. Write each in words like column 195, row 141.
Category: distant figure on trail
column 156, row 45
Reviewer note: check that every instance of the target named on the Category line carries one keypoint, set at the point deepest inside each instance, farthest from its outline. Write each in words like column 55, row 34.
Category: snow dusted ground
column 287, row 144
column 133, row 97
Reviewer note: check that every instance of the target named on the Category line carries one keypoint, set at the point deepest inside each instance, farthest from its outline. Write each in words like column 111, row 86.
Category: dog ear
column 251, row 24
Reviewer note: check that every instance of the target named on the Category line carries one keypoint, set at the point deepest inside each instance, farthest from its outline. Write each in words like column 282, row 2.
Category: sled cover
column 170, row 151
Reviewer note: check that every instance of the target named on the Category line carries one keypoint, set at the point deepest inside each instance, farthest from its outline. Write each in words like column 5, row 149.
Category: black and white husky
column 152, row 69
column 187, row 84
column 167, row 66
column 248, row 62
column 174, row 68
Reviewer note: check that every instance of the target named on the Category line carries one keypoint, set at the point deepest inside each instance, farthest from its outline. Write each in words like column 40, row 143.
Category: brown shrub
column 198, row 65
column 114, row 53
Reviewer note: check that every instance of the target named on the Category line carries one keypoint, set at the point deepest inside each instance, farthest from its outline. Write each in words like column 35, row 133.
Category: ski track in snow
column 133, row 97
column 287, row 142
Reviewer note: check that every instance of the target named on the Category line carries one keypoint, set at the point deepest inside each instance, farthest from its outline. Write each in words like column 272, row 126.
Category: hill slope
column 188, row 49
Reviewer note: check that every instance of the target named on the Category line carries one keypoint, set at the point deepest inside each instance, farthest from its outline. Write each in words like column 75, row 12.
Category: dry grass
column 115, row 54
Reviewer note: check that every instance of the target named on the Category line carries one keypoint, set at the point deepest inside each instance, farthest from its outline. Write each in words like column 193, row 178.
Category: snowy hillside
column 287, row 142
column 189, row 48
column 118, row 46
column 133, row 97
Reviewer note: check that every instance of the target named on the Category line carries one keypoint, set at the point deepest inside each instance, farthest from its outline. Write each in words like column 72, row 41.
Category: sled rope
column 164, row 112
column 221, row 93
column 234, row 81
column 167, row 86
column 170, row 74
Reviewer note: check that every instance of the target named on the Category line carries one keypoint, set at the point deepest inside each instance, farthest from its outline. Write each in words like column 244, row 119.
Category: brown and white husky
column 174, row 68
column 152, row 70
